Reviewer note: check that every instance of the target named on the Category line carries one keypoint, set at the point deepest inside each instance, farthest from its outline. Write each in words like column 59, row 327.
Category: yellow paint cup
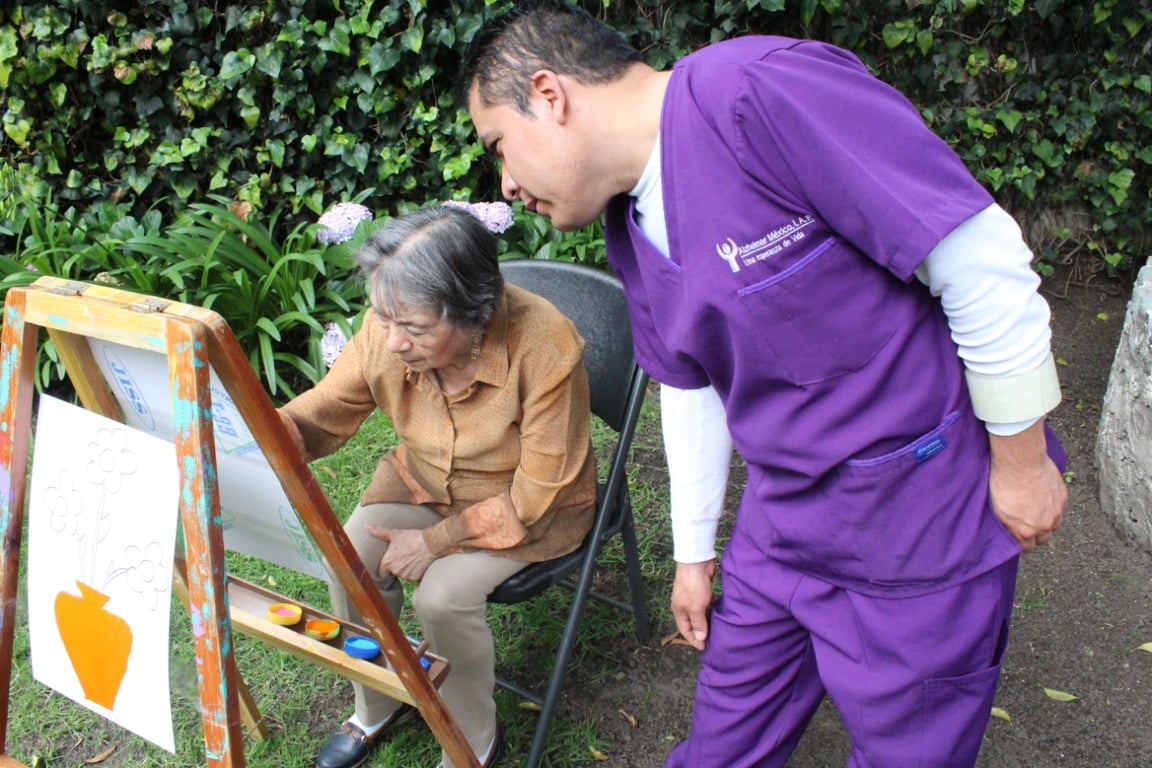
column 284, row 614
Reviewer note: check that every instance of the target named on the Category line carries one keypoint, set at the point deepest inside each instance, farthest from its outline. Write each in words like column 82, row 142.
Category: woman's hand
column 407, row 557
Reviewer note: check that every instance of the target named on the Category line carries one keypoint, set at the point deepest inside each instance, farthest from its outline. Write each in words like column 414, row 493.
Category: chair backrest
column 594, row 301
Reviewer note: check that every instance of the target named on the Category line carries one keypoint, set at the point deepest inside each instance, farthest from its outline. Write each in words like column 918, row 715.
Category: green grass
column 303, row 703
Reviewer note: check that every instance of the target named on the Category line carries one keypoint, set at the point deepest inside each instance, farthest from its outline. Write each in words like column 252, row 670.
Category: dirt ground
column 1082, row 608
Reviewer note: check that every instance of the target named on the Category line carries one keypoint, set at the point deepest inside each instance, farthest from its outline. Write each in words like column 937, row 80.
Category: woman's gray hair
column 440, row 258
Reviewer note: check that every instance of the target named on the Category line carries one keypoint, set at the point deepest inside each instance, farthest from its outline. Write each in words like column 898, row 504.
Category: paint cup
column 284, row 614
column 321, row 629
column 360, row 647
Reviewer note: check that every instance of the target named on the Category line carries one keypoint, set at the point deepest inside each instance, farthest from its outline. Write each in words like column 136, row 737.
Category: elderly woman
column 486, row 388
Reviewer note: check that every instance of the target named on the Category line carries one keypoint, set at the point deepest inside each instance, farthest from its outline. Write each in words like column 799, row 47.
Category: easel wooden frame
column 192, row 339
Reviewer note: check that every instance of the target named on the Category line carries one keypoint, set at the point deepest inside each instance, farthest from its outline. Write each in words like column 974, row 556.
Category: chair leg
column 635, row 579
column 563, row 656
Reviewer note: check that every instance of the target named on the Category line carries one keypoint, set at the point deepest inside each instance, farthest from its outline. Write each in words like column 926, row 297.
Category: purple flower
column 497, row 217
column 332, row 343
column 338, row 223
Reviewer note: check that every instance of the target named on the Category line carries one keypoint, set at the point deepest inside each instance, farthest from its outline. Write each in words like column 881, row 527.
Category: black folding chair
column 594, row 301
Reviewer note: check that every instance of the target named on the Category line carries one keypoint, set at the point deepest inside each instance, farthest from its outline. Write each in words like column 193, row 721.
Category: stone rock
column 1124, row 445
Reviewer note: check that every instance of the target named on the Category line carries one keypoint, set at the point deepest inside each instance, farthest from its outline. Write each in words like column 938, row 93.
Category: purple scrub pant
column 912, row 677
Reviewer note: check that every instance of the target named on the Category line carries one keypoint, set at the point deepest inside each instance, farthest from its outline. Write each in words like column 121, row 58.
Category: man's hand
column 691, row 599
column 407, row 556
column 1028, row 492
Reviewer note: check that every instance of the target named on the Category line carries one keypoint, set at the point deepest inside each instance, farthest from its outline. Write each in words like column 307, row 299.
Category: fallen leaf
column 102, row 756
column 1145, row 647
column 629, row 717
column 1059, row 695
column 1061, row 361
column 675, row 639
column 1001, row 713
column 597, row 754
column 329, row 471
column 1102, row 316
column 271, row 581
column 37, row 762
column 530, row 705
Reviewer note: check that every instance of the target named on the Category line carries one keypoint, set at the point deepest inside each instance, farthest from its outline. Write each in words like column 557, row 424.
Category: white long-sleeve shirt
column 983, row 276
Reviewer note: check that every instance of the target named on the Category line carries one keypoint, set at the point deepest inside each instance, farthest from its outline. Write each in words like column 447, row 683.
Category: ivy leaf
column 1011, row 118
column 413, row 38
column 1059, row 695
column 275, row 149
column 924, row 40
column 269, row 61
column 381, row 58
column 894, row 35
column 1119, row 182
column 236, row 63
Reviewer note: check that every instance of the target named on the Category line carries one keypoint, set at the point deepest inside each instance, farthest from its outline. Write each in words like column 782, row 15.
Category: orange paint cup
column 321, row 629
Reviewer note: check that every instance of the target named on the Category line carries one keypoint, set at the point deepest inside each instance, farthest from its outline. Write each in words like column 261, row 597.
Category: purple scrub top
column 800, row 195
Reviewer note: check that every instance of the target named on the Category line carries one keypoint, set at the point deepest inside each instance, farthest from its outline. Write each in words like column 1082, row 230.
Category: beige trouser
column 450, row 603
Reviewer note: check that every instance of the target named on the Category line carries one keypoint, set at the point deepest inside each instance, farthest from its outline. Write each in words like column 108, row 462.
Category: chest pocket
column 826, row 315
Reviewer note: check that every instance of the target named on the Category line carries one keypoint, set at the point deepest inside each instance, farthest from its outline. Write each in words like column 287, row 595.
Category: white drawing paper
column 259, row 520
column 102, row 513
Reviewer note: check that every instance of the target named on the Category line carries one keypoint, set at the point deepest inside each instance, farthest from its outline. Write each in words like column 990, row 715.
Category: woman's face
column 424, row 340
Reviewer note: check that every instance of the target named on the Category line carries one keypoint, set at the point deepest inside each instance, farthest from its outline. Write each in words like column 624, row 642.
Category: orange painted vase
column 98, row 642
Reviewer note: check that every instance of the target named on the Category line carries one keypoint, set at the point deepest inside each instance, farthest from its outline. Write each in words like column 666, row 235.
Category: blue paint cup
column 360, row 647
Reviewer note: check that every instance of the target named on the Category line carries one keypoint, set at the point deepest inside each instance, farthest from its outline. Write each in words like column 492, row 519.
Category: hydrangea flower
column 497, row 217
column 339, row 222
column 332, row 343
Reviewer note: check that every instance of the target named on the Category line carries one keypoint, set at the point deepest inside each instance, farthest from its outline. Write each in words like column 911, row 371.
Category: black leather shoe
column 349, row 746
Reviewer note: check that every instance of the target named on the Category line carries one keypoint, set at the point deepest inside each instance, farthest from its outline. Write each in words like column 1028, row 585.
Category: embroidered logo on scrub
column 930, row 448
column 771, row 244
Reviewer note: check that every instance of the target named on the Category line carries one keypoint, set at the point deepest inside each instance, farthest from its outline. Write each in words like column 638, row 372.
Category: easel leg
column 249, row 712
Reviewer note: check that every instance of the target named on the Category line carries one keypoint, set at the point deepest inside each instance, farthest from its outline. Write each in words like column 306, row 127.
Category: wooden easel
column 192, row 339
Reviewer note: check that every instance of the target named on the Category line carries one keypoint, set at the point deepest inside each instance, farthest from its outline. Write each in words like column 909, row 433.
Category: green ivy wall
column 302, row 103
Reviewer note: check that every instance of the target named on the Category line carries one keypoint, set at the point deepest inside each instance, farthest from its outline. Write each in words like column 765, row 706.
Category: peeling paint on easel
column 13, row 318
column 7, row 371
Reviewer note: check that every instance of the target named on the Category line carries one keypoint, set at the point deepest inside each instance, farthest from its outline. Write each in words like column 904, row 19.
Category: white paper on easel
column 101, row 533
column 258, row 518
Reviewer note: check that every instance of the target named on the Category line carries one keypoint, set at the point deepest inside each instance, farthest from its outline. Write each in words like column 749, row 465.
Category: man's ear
column 548, row 92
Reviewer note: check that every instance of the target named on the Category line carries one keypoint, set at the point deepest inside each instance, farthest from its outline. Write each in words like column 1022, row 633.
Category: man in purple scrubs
column 816, row 280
